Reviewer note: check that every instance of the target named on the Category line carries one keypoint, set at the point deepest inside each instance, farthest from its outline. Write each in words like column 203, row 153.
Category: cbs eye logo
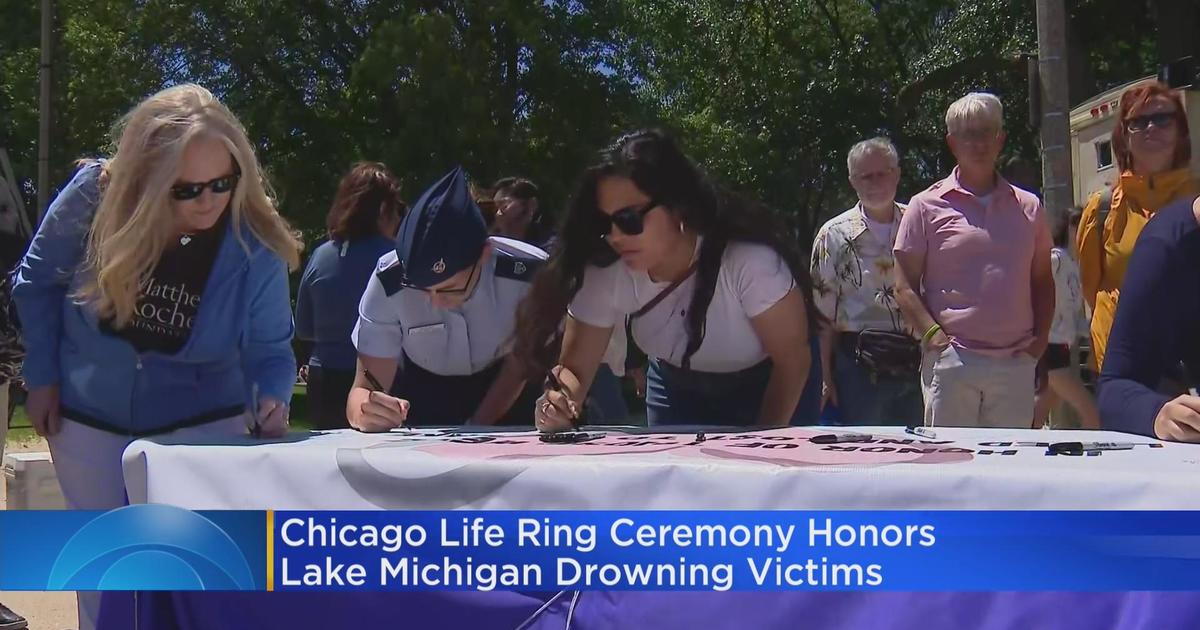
column 151, row 547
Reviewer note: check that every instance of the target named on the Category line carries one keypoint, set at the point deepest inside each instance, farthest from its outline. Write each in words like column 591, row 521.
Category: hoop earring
column 681, row 227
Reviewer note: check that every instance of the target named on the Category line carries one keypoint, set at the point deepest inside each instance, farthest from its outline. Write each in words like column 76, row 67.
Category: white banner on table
column 777, row 469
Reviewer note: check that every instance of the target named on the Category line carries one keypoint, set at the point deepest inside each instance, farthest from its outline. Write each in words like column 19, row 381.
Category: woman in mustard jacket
column 1152, row 150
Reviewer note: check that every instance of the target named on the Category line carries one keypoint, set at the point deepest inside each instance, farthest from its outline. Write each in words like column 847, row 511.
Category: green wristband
column 933, row 330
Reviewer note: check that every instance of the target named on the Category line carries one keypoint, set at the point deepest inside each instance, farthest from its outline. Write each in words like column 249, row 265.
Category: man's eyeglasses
column 219, row 186
column 454, row 291
column 976, row 136
column 1161, row 120
column 629, row 220
column 873, row 176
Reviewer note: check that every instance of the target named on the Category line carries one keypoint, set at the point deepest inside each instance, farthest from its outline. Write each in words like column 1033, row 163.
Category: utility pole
column 1057, row 187
column 43, row 184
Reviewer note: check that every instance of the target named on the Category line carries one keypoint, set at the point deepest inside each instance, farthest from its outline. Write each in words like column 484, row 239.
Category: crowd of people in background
column 154, row 297
column 967, row 305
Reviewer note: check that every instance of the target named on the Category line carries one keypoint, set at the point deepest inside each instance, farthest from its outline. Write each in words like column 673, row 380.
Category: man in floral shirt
column 852, row 277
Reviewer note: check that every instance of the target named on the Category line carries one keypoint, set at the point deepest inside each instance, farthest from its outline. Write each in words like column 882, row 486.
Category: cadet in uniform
column 436, row 319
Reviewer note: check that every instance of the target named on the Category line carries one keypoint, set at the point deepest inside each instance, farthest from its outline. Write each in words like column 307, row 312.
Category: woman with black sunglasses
column 435, row 321
column 717, row 295
column 154, row 299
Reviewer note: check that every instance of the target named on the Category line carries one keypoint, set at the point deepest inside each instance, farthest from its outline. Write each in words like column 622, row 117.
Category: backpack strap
column 634, row 356
column 1106, row 198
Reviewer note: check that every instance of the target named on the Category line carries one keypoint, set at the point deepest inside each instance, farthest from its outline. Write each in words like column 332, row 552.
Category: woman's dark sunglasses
column 1161, row 120
column 629, row 220
column 219, row 186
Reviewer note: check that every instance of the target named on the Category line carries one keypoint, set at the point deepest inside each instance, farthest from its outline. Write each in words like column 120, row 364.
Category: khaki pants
column 966, row 389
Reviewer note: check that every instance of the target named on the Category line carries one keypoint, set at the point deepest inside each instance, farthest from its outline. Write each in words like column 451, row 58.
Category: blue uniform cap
column 442, row 234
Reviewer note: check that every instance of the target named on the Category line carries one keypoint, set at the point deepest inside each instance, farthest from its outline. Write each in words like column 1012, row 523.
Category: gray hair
column 874, row 146
column 975, row 107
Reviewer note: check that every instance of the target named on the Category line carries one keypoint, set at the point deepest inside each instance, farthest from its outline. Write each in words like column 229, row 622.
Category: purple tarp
column 660, row 611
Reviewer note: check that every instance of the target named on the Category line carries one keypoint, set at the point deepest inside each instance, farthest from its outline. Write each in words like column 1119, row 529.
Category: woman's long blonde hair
column 135, row 221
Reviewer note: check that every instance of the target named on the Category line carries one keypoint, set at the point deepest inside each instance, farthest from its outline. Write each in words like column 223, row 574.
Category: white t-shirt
column 885, row 232
column 1070, row 322
column 752, row 279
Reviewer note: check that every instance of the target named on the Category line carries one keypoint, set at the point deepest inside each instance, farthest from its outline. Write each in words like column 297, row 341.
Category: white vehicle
column 1092, row 160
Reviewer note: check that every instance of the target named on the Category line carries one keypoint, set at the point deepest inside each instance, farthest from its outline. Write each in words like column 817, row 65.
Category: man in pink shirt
column 973, row 275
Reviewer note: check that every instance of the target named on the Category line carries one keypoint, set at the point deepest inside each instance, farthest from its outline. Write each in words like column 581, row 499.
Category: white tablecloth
column 779, row 469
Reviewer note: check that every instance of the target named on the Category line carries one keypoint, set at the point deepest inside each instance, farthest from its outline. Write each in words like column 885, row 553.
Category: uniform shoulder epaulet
column 390, row 273
column 518, row 268
column 517, row 260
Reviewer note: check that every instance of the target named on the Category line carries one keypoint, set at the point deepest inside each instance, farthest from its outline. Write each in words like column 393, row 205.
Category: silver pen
column 255, row 430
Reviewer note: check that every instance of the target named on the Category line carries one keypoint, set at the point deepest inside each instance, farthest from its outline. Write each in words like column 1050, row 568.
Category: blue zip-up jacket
column 241, row 336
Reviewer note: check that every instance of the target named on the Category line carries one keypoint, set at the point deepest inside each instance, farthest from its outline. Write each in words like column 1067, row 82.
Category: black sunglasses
column 219, row 186
column 629, row 220
column 463, row 289
column 1160, row 120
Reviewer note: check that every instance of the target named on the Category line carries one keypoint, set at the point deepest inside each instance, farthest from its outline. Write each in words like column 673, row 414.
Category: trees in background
column 769, row 94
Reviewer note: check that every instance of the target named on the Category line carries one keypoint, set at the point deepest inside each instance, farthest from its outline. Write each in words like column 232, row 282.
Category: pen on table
column 924, row 432
column 1079, row 448
column 557, row 386
column 838, row 438
column 256, row 430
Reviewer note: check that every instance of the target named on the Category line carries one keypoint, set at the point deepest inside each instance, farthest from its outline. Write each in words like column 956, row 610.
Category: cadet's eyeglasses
column 453, row 291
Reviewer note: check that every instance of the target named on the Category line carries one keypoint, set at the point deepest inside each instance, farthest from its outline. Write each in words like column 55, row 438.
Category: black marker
column 838, row 438
column 375, row 387
column 569, row 437
column 1079, row 448
column 557, row 386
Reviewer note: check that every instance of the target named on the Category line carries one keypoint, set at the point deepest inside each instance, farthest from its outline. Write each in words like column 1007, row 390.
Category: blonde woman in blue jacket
column 154, row 297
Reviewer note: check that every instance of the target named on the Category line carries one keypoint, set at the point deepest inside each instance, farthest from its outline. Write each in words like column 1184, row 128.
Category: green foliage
column 766, row 94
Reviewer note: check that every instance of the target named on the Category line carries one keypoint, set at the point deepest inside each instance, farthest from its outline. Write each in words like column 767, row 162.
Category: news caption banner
column 158, row 547
column 431, row 469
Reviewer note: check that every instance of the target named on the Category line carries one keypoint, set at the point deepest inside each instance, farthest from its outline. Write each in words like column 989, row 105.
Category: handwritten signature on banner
column 785, row 447
column 465, row 468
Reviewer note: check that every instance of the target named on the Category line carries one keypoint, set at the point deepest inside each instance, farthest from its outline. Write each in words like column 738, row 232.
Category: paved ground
column 45, row 611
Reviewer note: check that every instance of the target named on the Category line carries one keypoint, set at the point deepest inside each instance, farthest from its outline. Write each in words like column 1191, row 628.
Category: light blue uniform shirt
column 395, row 322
